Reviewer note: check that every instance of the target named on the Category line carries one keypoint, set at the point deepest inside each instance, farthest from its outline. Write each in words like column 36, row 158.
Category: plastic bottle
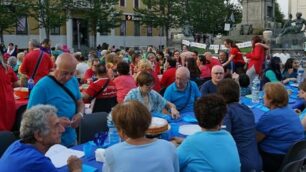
column 113, row 136
column 300, row 75
column 255, row 90
column 31, row 84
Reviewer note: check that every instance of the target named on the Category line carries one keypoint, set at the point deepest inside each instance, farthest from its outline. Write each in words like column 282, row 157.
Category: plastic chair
column 6, row 139
column 92, row 124
column 18, row 119
column 295, row 159
column 104, row 105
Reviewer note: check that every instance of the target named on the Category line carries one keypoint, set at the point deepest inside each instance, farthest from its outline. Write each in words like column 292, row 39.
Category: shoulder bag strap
column 37, row 64
column 67, row 91
column 102, row 89
column 189, row 95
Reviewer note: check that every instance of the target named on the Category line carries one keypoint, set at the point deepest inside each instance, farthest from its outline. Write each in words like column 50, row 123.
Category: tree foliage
column 101, row 14
column 10, row 12
column 205, row 16
column 49, row 13
column 279, row 16
column 160, row 13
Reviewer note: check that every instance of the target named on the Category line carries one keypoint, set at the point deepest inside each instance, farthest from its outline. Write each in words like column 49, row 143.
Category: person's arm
column 76, row 119
column 263, row 45
column 230, row 58
column 304, row 123
column 174, row 112
column 271, row 76
column 256, row 53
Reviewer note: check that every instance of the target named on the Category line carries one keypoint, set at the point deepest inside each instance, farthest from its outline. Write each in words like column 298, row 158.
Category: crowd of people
column 141, row 83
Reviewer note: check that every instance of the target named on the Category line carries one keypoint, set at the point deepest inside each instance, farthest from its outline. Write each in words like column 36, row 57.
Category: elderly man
column 40, row 129
column 213, row 61
column 32, row 59
column 217, row 74
column 61, row 90
column 183, row 92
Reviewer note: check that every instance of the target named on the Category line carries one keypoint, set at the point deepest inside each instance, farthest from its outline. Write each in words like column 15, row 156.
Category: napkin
column 99, row 153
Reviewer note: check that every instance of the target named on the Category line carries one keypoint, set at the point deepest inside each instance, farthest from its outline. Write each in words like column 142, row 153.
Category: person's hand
column 290, row 71
column 65, row 122
column 174, row 113
column 74, row 164
column 76, row 119
column 177, row 141
column 298, row 111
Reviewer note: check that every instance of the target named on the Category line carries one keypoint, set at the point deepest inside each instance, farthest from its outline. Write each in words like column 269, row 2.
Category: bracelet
column 81, row 114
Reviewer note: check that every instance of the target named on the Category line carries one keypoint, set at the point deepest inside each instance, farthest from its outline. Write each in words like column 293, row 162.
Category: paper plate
column 189, row 129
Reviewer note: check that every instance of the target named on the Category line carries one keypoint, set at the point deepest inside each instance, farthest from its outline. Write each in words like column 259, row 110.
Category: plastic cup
column 88, row 149
column 174, row 129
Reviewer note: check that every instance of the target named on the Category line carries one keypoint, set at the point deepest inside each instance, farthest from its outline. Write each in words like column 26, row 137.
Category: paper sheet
column 59, row 155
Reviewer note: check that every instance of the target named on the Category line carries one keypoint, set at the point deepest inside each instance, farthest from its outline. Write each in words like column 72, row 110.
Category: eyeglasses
column 218, row 73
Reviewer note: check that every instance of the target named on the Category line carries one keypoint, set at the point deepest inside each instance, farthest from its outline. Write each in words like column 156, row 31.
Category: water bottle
column 255, row 90
column 113, row 136
column 300, row 75
column 31, row 84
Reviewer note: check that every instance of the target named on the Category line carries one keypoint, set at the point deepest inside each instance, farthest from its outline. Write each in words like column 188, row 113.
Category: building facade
column 295, row 6
column 76, row 33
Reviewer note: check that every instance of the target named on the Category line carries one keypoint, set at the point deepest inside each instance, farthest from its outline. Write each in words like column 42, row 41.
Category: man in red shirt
column 29, row 62
column 213, row 61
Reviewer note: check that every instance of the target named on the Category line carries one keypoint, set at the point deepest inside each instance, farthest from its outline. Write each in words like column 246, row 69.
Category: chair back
column 104, row 105
column 6, row 139
column 92, row 124
column 18, row 119
column 295, row 159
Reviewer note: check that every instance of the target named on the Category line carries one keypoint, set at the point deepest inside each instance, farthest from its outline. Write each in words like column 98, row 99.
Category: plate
column 189, row 129
column 294, row 85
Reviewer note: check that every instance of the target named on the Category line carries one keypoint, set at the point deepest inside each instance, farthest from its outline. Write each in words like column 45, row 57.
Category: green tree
column 50, row 13
column 10, row 12
column 161, row 13
column 205, row 16
column 279, row 16
column 101, row 14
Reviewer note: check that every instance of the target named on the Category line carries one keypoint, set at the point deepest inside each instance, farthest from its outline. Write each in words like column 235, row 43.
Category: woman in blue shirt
column 290, row 68
column 277, row 129
column 154, row 102
column 240, row 122
column 211, row 149
column 138, row 153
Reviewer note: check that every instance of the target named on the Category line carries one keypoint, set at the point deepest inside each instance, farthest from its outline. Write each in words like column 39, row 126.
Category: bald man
column 217, row 74
column 70, row 106
column 183, row 92
column 213, row 61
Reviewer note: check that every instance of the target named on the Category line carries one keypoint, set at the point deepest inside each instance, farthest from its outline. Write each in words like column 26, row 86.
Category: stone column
column 69, row 32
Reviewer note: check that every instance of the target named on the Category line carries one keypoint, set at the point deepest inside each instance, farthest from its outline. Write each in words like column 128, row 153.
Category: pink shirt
column 124, row 83
column 205, row 71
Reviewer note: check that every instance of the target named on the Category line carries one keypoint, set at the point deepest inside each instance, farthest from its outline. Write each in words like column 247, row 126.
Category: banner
column 215, row 46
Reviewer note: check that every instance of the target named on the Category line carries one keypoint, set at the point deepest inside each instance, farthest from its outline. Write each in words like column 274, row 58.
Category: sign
column 227, row 27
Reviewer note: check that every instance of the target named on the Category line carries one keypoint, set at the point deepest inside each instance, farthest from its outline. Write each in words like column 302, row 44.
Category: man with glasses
column 40, row 129
column 183, row 92
column 217, row 74
column 54, row 90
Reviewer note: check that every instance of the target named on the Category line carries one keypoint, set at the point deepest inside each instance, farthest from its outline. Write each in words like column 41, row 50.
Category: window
column 22, row 25
column 149, row 30
column 55, row 30
column 270, row 11
column 136, row 28
column 122, row 28
column 136, row 4
column 122, row 3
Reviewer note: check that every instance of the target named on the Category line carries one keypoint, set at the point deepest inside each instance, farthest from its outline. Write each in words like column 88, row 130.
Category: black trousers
column 271, row 162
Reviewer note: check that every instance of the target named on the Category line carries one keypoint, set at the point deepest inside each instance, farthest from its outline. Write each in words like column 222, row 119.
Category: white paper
column 59, row 155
